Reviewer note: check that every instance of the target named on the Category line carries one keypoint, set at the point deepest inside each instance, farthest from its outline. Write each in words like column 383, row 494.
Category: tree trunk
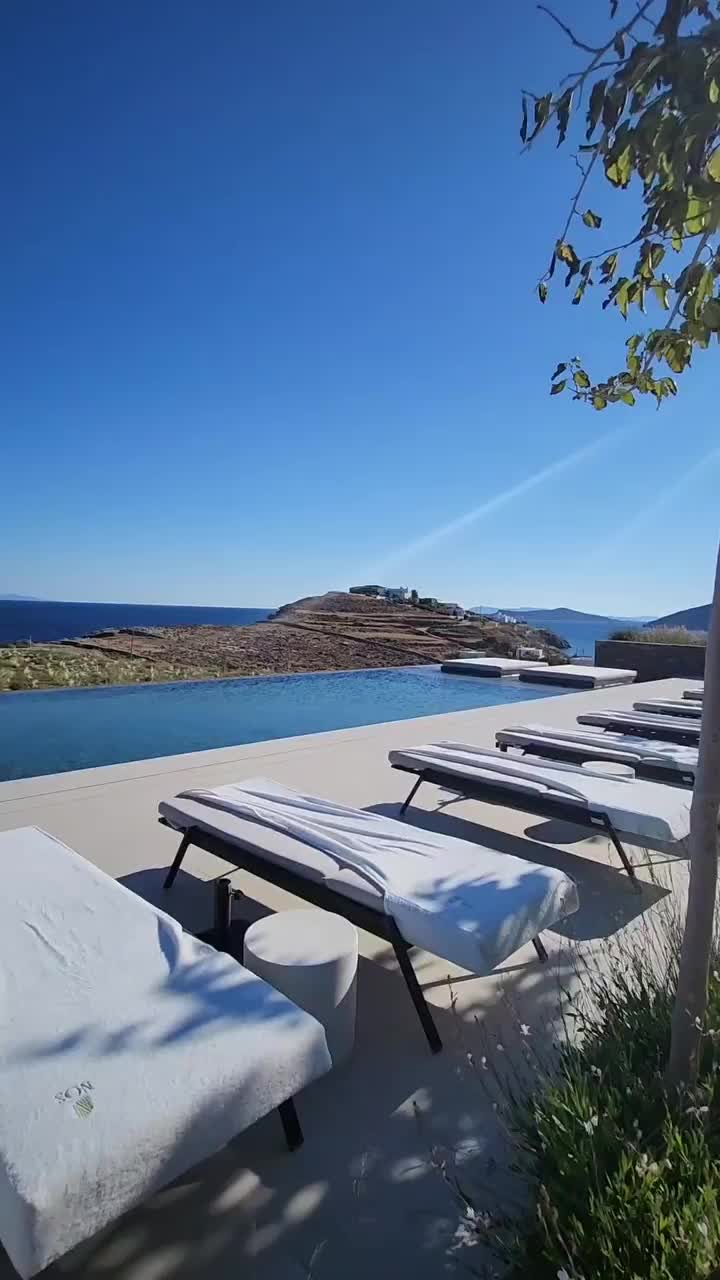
column 691, row 998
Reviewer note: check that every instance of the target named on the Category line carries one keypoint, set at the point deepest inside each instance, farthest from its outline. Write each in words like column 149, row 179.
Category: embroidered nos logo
column 78, row 1095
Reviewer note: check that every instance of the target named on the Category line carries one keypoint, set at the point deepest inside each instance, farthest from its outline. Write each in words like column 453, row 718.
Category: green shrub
column 626, row 1186
column 660, row 635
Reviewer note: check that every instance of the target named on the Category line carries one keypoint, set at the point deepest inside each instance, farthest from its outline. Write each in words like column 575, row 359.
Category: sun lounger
column 129, row 1050
column 646, row 725
column 670, row 707
column 462, row 901
column 646, row 812
column 489, row 666
column 694, row 695
column 579, row 675
column 658, row 761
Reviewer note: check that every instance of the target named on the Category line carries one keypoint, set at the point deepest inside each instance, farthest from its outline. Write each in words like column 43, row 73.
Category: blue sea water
column 52, row 732
column 581, row 636
column 45, row 620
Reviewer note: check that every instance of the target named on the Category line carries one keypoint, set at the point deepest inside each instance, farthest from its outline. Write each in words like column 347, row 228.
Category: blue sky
column 270, row 328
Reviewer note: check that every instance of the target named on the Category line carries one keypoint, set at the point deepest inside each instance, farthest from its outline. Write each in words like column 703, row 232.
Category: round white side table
column 609, row 768
column 311, row 956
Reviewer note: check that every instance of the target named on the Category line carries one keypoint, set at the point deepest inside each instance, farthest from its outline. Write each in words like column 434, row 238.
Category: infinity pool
column 78, row 728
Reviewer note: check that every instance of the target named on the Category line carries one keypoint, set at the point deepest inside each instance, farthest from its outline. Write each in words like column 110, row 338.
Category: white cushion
column 650, row 811
column 130, row 1050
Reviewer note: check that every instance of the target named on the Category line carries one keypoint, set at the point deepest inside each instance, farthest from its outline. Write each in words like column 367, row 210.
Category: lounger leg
column 417, row 997
column 291, row 1124
column 621, row 852
column 541, row 952
column 170, row 877
column 412, row 793
column 223, row 910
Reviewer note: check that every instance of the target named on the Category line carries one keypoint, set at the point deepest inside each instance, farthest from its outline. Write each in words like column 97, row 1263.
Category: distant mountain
column 697, row 619
column 36, row 599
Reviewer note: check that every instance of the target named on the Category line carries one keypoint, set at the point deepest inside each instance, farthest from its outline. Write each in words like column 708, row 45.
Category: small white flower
column 483, row 1063
column 590, row 1125
column 524, row 1029
column 500, row 1048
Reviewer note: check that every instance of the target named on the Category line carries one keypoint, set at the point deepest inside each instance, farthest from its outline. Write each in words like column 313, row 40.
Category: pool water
column 77, row 728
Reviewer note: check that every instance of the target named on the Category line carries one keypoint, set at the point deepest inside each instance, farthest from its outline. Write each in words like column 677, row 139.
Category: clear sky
column 269, row 326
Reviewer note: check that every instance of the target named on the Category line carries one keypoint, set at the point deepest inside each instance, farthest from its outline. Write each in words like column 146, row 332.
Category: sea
column 45, row 620
column 581, row 636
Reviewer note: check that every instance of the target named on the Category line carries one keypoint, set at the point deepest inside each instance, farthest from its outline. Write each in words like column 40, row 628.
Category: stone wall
column 652, row 661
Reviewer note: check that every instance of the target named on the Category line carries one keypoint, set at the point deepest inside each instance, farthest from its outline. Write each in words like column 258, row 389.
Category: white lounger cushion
column 644, row 720
column 107, row 1003
column 668, row 706
column 647, row 811
column 491, row 666
column 623, row 747
column 462, row 901
column 578, row 673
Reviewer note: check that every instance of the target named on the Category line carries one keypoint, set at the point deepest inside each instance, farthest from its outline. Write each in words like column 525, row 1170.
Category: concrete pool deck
column 362, row 1194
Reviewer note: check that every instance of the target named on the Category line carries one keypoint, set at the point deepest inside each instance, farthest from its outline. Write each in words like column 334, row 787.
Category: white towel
column 462, row 901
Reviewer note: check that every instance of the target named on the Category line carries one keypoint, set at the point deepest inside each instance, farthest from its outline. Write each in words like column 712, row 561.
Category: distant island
column 27, row 599
column 337, row 631
column 697, row 619
column 554, row 615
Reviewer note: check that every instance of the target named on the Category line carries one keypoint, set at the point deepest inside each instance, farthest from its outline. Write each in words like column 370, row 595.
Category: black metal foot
column 291, row 1124
column 540, row 949
column 418, row 999
column 621, row 853
column 170, row 877
column 412, row 793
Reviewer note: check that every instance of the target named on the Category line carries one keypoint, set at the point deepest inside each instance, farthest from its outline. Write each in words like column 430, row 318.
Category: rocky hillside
column 333, row 632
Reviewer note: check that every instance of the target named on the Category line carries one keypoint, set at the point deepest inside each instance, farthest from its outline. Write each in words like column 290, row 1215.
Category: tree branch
column 576, row 199
column 595, row 62
column 579, row 44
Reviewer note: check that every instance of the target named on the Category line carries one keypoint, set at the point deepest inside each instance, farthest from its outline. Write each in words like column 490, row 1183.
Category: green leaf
column 619, row 45
column 711, row 314
column 560, row 369
column 714, row 90
column 609, row 267
column 696, row 215
column 597, row 98
column 581, row 378
column 677, row 243
column 557, row 387
column 627, row 397
column 592, row 219
column 619, row 171
column 567, row 254
column 542, row 114
column 599, row 402
column 542, row 291
column 563, row 107
column 623, row 298
column 713, row 167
